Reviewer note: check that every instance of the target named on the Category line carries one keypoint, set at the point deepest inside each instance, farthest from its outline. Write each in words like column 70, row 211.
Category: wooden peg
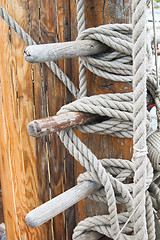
column 60, row 122
column 52, row 208
column 55, row 51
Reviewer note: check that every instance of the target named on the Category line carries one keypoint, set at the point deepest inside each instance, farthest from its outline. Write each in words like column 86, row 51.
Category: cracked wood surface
column 36, row 170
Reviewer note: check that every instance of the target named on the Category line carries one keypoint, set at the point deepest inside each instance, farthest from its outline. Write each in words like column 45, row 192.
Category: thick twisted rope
column 116, row 63
column 123, row 171
column 102, row 225
column 104, row 105
column 117, row 107
column 90, row 162
column 139, row 124
column 150, row 217
column 118, row 39
column 153, row 141
column 81, row 28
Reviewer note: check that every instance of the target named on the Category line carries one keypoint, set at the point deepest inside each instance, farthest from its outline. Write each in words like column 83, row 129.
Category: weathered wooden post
column 36, row 170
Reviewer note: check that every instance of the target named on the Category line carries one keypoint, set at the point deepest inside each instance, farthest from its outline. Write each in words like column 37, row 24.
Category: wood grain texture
column 34, row 171
column 60, row 203
column 44, row 126
column 54, row 51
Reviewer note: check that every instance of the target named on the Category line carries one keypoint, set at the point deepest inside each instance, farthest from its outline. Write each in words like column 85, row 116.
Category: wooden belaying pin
column 53, row 207
column 55, row 51
column 60, row 122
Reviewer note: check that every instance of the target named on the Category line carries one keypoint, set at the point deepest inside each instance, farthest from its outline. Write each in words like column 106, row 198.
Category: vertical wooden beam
column 19, row 176
column 33, row 171
column 39, row 34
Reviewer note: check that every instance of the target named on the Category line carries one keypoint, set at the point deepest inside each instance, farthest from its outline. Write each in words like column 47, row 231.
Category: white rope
column 82, row 69
column 117, row 107
column 130, row 217
column 155, row 43
column 150, row 217
column 90, row 162
column 116, row 63
column 102, row 225
column 122, row 170
column 139, row 124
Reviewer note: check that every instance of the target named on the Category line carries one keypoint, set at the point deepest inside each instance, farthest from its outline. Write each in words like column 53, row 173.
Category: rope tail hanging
column 127, row 111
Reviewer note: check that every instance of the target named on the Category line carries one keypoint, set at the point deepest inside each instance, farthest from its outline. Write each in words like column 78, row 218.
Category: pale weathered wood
column 60, row 122
column 41, row 21
column 60, row 203
column 55, row 51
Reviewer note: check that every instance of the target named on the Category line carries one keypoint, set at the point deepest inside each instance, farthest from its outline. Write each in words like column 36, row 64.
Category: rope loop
column 138, row 153
column 116, row 63
column 116, row 111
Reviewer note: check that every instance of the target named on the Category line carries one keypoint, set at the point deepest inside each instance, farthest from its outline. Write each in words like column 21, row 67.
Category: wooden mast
column 33, row 171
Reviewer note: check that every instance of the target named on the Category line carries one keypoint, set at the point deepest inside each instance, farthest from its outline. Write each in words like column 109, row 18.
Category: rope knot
column 139, row 152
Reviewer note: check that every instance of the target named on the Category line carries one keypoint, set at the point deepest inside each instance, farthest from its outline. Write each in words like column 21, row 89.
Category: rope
column 82, row 69
column 123, row 172
column 139, row 124
column 142, row 229
column 116, row 63
column 120, row 46
column 55, row 69
column 155, row 43
column 153, row 141
column 117, row 107
column 90, row 162
column 122, row 113
column 102, row 225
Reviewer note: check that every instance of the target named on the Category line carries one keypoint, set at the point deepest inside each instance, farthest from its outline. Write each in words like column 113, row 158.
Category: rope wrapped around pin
column 116, row 63
column 119, row 171
column 97, row 223
column 123, row 171
column 88, row 160
column 116, row 110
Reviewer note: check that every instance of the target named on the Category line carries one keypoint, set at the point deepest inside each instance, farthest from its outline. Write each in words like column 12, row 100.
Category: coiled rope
column 141, row 196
